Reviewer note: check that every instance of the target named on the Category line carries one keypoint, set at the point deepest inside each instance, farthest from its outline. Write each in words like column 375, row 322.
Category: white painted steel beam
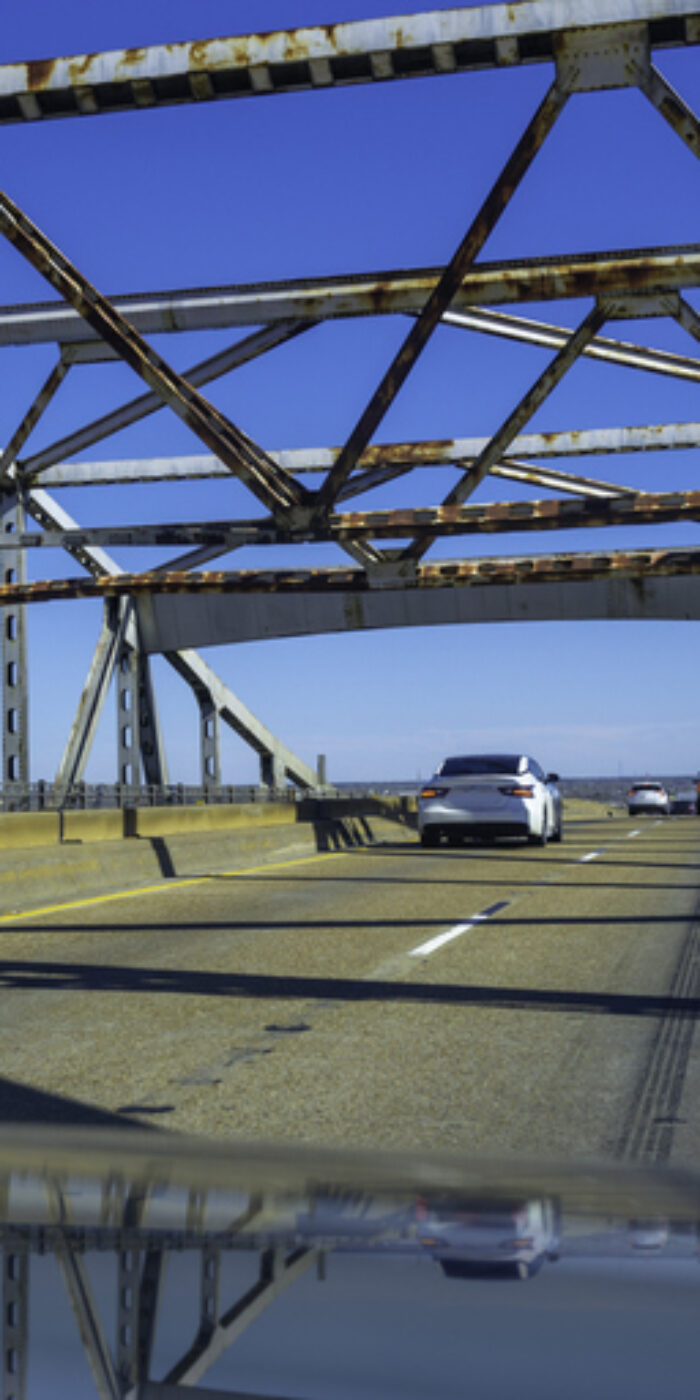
column 584, row 442
column 315, row 58
column 273, row 1281
column 212, row 620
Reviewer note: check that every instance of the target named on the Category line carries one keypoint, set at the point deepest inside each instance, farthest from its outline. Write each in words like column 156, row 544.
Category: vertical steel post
column 150, row 740
column 128, row 755
column 272, row 771
column 15, row 1321
column 209, row 1289
column 128, row 1317
column 15, row 729
column 209, row 741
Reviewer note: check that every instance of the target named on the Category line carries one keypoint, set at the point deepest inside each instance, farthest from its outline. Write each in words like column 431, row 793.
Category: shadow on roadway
column 190, row 982
column 19, row 1103
column 330, row 926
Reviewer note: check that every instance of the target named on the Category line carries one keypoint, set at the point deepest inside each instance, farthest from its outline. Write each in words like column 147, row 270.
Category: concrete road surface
column 488, row 999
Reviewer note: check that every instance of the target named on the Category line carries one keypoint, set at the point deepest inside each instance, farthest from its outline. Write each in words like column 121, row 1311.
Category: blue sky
column 364, row 178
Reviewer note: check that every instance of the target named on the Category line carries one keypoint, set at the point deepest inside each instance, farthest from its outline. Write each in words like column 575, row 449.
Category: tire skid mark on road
column 647, row 1136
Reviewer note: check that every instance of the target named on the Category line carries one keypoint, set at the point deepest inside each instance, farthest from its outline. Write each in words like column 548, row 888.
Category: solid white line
column 434, row 943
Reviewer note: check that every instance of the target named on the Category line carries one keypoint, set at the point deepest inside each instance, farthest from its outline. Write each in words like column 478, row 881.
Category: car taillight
column 514, row 791
column 434, row 792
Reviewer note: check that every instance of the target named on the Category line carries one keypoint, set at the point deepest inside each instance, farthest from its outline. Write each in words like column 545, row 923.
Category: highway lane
column 487, row 999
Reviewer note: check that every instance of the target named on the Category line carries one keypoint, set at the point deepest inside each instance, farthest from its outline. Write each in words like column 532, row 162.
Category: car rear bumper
column 465, row 825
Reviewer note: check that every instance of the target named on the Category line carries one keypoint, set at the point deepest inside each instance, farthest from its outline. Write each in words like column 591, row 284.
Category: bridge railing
column 47, row 796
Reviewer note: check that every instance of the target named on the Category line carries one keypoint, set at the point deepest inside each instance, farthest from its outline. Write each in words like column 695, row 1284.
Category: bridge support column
column 209, row 740
column 15, row 728
column 15, row 1310
column 127, row 682
column 272, row 770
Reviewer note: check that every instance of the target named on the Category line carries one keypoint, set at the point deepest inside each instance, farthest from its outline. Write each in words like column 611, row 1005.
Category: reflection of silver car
column 511, row 1240
column 650, row 797
column 490, row 795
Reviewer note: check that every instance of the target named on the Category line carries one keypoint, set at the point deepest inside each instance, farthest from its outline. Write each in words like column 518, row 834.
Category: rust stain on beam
column 244, row 458
column 633, row 508
column 641, row 564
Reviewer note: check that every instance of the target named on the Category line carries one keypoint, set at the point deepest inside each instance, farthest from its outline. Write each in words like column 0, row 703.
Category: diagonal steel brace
column 441, row 296
column 239, row 453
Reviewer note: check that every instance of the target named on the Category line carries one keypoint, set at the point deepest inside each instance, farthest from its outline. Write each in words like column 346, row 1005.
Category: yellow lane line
column 166, row 885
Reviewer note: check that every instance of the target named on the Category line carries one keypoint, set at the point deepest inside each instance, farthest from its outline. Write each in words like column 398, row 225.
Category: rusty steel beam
column 523, row 411
column 673, row 109
column 558, row 568
column 641, row 272
column 388, row 459
column 634, row 508
column 440, row 298
column 50, row 387
column 624, row 508
column 688, row 318
column 243, row 458
column 316, row 58
column 139, row 408
column 531, row 401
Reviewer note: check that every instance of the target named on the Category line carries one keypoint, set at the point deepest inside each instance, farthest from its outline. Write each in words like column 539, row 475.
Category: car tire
column 558, row 833
column 430, row 837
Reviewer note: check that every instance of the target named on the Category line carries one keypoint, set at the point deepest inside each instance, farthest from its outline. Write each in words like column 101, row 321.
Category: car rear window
column 646, row 787
column 480, row 763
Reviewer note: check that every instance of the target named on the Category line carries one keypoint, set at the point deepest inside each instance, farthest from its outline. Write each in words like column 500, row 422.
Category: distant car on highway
column 511, row 1240
column 487, row 795
column 648, row 796
column 684, row 803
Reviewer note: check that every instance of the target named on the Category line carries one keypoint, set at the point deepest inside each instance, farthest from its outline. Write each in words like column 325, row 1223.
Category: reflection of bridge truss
column 603, row 45
column 138, row 1199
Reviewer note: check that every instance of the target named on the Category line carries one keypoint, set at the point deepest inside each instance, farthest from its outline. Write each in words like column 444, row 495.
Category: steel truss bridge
column 387, row 577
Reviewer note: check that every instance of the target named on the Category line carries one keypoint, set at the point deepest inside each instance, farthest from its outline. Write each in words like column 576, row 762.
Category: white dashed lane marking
column 424, row 949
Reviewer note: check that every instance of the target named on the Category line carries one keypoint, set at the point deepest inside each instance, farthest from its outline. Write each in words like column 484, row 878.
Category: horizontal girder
column 581, row 442
column 642, row 272
column 325, row 56
column 629, row 508
column 404, row 578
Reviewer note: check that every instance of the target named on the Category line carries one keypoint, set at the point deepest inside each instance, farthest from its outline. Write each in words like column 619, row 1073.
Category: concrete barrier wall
column 172, row 821
column 49, row 858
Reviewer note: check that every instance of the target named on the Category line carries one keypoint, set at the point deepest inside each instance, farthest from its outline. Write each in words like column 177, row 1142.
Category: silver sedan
column 488, row 795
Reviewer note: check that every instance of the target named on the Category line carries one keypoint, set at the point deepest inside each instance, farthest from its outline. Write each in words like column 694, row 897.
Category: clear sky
column 358, row 179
